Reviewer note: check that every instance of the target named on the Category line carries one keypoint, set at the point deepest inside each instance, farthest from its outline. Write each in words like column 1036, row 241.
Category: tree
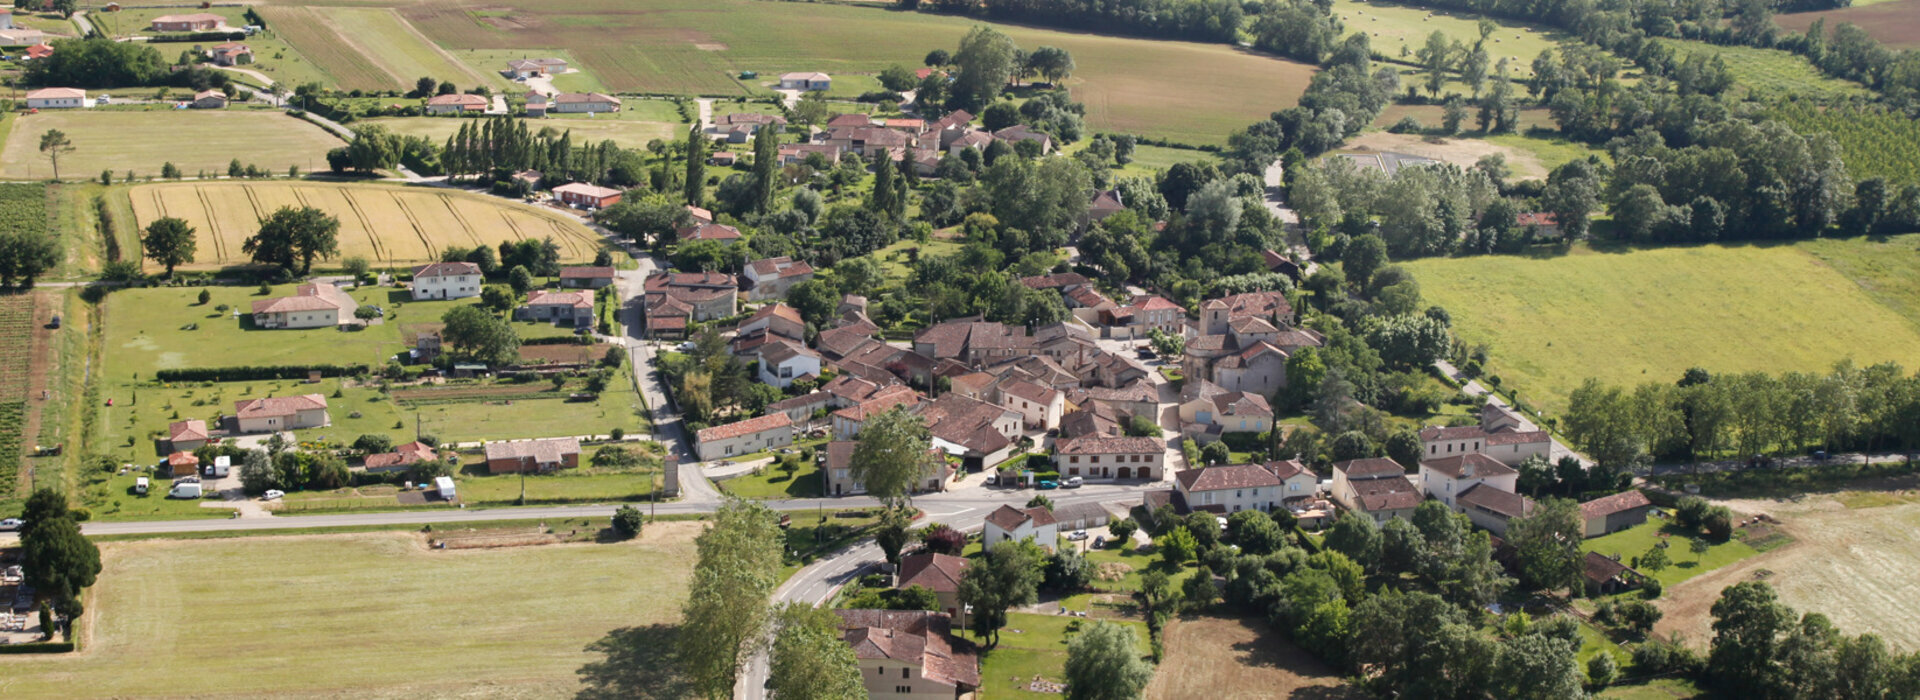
column 766, row 162
column 169, row 241
column 809, row 660
column 1255, row 532
column 1549, row 544
column 58, row 560
column 55, row 143
column 1538, row 667
column 891, row 534
column 521, row 279
column 1053, row 64
column 1008, row 577
column 893, row 456
column 1177, row 546
column 696, row 183
column 1067, row 572
column 897, row 78
column 1122, row 529
column 1198, row 591
column 726, row 610
column 289, row 234
column 1748, row 622
column 1655, row 559
column 986, row 62
column 1699, row 548
column 425, row 87
column 627, row 520
column 479, row 335
column 1357, row 537
column 1157, row 593
column 1103, row 663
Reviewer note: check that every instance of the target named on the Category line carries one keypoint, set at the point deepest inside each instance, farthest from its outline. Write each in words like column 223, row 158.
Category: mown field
column 1398, row 32
column 366, row 615
column 340, row 59
column 1648, row 315
column 193, row 140
column 1874, row 142
column 1895, row 23
column 388, row 226
column 1772, row 72
column 397, row 48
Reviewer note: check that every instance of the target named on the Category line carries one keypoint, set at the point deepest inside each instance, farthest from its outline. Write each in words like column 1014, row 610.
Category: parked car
column 273, row 495
column 1072, row 482
column 11, row 524
column 1077, row 535
column 1048, row 485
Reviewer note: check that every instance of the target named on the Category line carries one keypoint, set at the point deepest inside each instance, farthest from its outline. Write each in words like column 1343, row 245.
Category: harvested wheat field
column 1227, row 659
column 387, row 225
column 1853, row 559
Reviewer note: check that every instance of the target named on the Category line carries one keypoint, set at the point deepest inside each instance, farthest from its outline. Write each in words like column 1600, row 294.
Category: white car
column 11, row 524
column 1072, row 482
column 273, row 495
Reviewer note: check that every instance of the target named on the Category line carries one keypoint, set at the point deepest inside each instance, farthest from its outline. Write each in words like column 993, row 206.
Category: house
column 776, row 321
column 800, row 409
column 456, row 103
column 745, row 437
column 586, row 277
column 528, row 178
column 1604, row 575
column 848, row 421
column 843, row 121
column 209, row 99
column 315, row 305
column 1218, row 315
column 963, row 140
column 806, row 81
column 1039, row 407
column 276, row 413
column 1281, row 264
column 538, row 104
column 867, row 140
column 535, row 67
column 37, row 51
column 446, row 280
column 58, row 98
column 1227, row 488
column 795, row 153
column 6, row 18
column 1492, row 508
column 783, row 363
column 972, row 342
column 674, row 299
column 740, row 127
column 232, row 53
column 187, row 435
column 575, row 308
column 583, row 195
column 1105, row 203
column 540, row 455
column 706, row 231
column 939, row 573
column 911, row 126
column 701, row 215
column 1610, row 514
column 1143, row 314
column 910, row 654
column 1502, row 435
column 770, row 278
column 1297, row 481
column 1448, row 477
column 839, row 480
column 1100, row 457
column 722, row 158
column 1376, row 487
column 1010, row 524
column 1138, row 398
column 577, row 102
column 978, row 432
column 1541, row 223
column 401, row 458
column 1013, row 135
column 181, row 464
column 196, row 22
column 1208, row 411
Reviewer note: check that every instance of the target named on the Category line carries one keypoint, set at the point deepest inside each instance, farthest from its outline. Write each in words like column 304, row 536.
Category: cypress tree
column 696, row 185
column 766, row 155
column 884, row 192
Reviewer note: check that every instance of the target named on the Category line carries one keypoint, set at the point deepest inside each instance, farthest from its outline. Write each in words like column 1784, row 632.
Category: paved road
column 1473, row 388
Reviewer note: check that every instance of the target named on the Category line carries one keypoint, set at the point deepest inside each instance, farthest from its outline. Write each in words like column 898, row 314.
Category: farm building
column 580, row 194
column 1021, row 132
column 456, row 104
column 723, row 158
column 1614, row 513
column 446, row 280
column 401, row 457
column 1447, row 478
column 586, row 277
column 57, row 98
column 315, row 305
column 277, row 413
column 535, row 67
column 232, row 53
column 187, row 435
column 196, row 22
column 24, row 37
column 541, row 455
column 209, row 99
column 558, row 307
column 577, row 102
column 806, row 81
column 1493, row 509
column 745, row 437
column 1604, row 575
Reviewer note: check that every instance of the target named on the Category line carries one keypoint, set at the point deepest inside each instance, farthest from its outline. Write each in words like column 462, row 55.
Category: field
column 16, row 330
column 309, row 32
column 1239, row 659
column 1648, row 315
column 1638, row 540
column 1873, row 142
column 1398, row 32
column 272, row 55
column 490, row 62
column 1895, row 23
column 1855, row 565
column 1184, row 91
column 1527, row 157
column 1034, row 645
column 1772, row 72
column 389, row 226
column 397, row 48
column 629, row 133
column 193, row 140
column 326, row 615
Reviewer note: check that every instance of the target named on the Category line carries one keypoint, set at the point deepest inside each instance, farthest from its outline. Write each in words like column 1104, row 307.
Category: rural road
column 706, row 112
column 1473, row 388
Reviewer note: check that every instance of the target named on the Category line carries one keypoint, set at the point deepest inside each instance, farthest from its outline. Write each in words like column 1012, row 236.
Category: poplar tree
column 696, row 167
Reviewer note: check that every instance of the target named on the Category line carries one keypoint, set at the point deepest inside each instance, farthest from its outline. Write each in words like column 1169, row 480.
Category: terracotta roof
column 789, row 404
column 1599, row 568
column 458, row 100
column 187, row 430
column 1463, row 432
column 445, row 269
column 180, row 459
column 1515, row 437
column 781, row 352
column 586, row 190
column 1226, row 476
column 1028, row 390
column 542, row 297
column 1009, row 518
column 1109, row 444
column 318, row 296
column 1269, row 304
column 850, row 387
column 751, row 118
column 880, row 401
column 1139, row 390
column 586, row 272
column 1498, row 501
column 544, row 450
column 204, row 94
column 814, row 75
column 1458, row 466
column 1536, row 218
column 1372, row 467
column 410, row 453
column 1289, row 468
column 771, row 421
column 939, row 573
column 1087, row 422
column 776, row 310
column 1396, row 493
column 709, row 232
column 965, row 422
column 700, row 214
column 195, row 17
column 278, row 405
column 914, row 636
column 780, row 267
column 1616, row 503
column 1153, row 302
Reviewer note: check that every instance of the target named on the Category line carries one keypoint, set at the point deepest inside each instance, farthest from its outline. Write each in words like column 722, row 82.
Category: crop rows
column 317, row 40
column 1874, row 142
column 23, row 208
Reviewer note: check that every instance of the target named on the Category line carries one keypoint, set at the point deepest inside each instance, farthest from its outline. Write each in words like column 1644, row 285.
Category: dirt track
column 1230, row 659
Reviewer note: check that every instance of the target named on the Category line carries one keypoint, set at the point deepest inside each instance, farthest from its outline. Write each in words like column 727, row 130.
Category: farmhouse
column 866, row 140
column 535, row 67
column 57, row 98
column 1614, row 513
column 209, row 99
column 232, row 53
column 675, row 299
column 585, row 196
column 26, row 37
column 276, row 413
column 456, row 104
column 1111, row 457
column 315, row 305
column 910, row 654
column 1227, row 488
column 541, row 455
column 745, row 437
column 939, row 573
column 1208, row 411
column 781, row 364
column 586, row 277
column 1014, row 524
column 446, row 280
column 187, row 435
column 806, row 81
column 559, row 307
column 1448, row 477
column 770, row 278
column 1542, row 223
column 1492, row 508
column 577, row 102
column 1376, row 487
column 197, row 22
column 537, row 104
column 401, row 458
column 793, row 153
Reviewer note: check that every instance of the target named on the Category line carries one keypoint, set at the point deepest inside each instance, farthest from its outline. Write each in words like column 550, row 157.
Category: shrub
column 627, row 522
column 205, row 297
column 1123, row 529
column 1601, row 670
column 256, row 373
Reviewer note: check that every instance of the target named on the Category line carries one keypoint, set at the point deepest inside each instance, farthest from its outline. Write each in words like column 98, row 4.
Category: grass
column 389, row 226
column 195, row 140
column 1636, row 316
column 397, row 48
column 272, row 54
column 629, row 133
column 480, row 489
column 1034, row 645
column 309, row 31
column 147, row 331
column 455, row 612
column 490, row 62
column 1637, row 540
column 1656, row 689
column 1391, row 28
column 1771, row 72
column 772, row 483
column 894, row 258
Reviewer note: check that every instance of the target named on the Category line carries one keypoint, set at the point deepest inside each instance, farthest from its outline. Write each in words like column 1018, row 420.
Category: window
column 904, row 676
column 1073, row 460
column 1094, row 459
column 903, row 689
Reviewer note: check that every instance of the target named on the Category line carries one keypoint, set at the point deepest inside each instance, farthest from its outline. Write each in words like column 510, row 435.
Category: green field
column 393, row 44
column 1636, row 541
column 1035, row 645
column 1648, row 315
column 490, row 62
column 1874, row 142
column 1772, row 72
column 341, row 60
column 193, row 140
column 366, row 615
column 1391, row 28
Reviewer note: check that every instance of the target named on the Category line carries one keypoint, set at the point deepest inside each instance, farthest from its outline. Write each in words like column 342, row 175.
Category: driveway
column 1473, row 388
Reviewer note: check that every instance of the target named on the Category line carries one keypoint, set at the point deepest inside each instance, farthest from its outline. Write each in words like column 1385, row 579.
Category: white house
column 316, row 305
column 1376, row 487
column 1015, row 524
column 806, row 81
column 1039, row 407
column 276, row 413
column 577, row 102
column 1502, row 434
column 745, row 437
column 1297, row 481
column 1228, row 488
column 446, row 280
column 1448, row 477
column 58, row 98
column 782, row 363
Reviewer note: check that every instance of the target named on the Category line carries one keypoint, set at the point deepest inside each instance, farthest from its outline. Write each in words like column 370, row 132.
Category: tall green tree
column 1549, row 544
column 893, row 455
column 985, row 61
column 169, row 241
column 290, row 234
column 696, row 185
column 766, row 162
column 809, row 660
column 58, row 560
column 726, row 612
column 884, row 200
column 55, row 143
column 1103, row 663
column 1748, row 624
column 1008, row 577
column 479, row 335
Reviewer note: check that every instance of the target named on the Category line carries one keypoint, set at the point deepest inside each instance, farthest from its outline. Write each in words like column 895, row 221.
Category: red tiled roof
column 772, row 421
column 187, row 430
column 1372, row 467
column 1008, row 518
column 1514, row 437
column 916, row 637
column 278, row 405
column 939, row 573
column 445, row 269
column 1289, row 468
column 1599, row 568
column 542, row 297
column 586, row 272
column 410, row 453
column 1616, row 503
column 1396, row 493
column 179, row 459
column 1498, row 501
column 1457, row 466
column 1461, row 432
column 586, row 190
column 1226, row 476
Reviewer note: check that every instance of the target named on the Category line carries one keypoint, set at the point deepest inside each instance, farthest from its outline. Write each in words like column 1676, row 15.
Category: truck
column 222, row 465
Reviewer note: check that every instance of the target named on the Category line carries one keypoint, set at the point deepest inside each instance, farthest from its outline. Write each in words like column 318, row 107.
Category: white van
column 140, row 486
column 222, row 465
column 185, row 490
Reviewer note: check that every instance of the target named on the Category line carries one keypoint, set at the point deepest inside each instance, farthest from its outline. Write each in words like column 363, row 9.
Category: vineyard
column 16, row 331
column 1874, row 142
column 23, row 208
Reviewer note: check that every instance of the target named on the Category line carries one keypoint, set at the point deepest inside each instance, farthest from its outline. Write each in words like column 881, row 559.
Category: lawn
column 895, row 259
column 193, row 140
column 1189, row 92
column 1647, row 315
column 772, row 483
column 331, row 615
column 389, row 226
column 1033, row 645
column 629, row 133
column 1771, row 72
column 147, row 330
column 1398, row 32
column 1638, row 540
